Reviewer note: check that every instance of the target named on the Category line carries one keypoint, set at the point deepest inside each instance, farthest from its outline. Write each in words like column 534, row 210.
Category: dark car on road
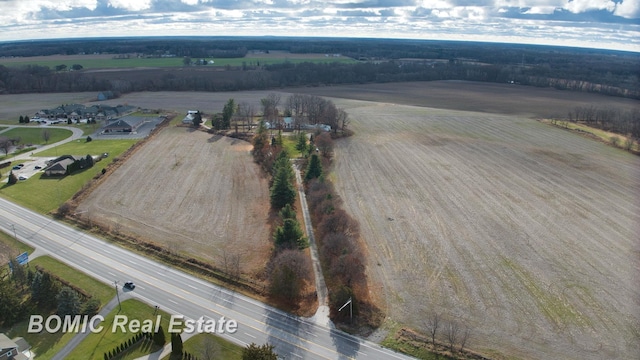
column 129, row 285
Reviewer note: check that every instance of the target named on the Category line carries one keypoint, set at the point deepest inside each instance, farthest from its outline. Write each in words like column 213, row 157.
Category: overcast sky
column 609, row 24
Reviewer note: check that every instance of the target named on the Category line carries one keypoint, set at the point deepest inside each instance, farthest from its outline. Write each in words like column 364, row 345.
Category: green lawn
column 44, row 194
column 222, row 348
column 34, row 135
column 46, row 345
column 95, row 345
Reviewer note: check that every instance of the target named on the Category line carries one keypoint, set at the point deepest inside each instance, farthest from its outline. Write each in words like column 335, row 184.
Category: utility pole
column 15, row 235
column 350, row 303
column 117, row 294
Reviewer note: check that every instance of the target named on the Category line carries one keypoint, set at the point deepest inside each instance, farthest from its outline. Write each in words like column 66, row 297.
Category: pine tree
column 259, row 352
column 282, row 191
column 287, row 212
column 159, row 337
column 290, row 235
column 12, row 178
column 68, row 301
column 301, row 145
column 176, row 343
column 314, row 169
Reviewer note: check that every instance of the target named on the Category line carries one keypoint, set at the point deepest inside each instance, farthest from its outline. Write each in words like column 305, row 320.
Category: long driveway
column 179, row 293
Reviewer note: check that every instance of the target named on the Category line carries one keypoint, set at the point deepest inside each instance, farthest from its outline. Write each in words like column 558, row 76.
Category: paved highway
column 179, row 293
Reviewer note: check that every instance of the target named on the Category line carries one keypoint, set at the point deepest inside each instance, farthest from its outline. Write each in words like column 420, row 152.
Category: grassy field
column 34, row 135
column 201, row 345
column 46, row 345
column 44, row 194
column 96, row 344
column 89, row 62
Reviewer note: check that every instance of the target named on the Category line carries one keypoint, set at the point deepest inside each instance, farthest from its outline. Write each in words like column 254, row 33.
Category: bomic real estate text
column 122, row 323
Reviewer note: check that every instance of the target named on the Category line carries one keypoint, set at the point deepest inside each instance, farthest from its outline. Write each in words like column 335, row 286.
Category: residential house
column 16, row 349
column 58, row 166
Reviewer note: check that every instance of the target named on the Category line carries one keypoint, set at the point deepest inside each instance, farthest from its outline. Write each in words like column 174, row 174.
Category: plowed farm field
column 526, row 234
column 193, row 192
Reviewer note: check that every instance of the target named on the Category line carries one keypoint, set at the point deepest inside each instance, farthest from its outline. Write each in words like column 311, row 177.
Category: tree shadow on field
column 215, row 138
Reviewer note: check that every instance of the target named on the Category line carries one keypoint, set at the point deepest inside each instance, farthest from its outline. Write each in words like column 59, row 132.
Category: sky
column 606, row 24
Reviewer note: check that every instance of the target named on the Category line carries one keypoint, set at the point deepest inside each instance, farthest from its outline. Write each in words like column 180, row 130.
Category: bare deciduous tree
column 465, row 337
column 46, row 135
column 5, row 144
column 231, row 263
column 453, row 329
column 270, row 108
column 433, row 322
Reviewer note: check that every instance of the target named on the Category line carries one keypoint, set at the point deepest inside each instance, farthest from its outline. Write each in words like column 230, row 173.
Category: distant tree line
column 609, row 119
column 41, row 79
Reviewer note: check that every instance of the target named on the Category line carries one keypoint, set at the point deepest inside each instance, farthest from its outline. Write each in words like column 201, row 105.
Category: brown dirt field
column 475, row 96
column 523, row 232
column 193, row 192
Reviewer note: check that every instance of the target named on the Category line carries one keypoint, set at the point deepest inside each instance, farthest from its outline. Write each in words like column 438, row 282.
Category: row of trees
column 454, row 335
column 289, row 268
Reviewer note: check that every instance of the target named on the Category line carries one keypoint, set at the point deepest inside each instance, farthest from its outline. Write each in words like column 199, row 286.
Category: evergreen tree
column 283, row 162
column 68, row 302
column 43, row 290
column 301, row 145
column 11, row 307
column 21, row 119
column 290, row 235
column 282, row 191
column 91, row 307
column 227, row 113
column 314, row 169
column 12, row 178
column 259, row 352
column 176, row 344
column 287, row 212
column 159, row 337
column 197, row 119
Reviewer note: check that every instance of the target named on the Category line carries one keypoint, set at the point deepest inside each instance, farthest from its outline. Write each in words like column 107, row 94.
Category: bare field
column 525, row 233
column 194, row 192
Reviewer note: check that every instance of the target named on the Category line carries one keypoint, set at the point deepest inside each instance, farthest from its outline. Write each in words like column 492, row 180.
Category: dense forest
column 378, row 60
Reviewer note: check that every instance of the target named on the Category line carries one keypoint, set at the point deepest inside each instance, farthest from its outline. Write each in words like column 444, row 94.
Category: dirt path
column 523, row 232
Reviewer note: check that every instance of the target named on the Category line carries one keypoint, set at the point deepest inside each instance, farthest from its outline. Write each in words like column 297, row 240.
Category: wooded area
column 379, row 60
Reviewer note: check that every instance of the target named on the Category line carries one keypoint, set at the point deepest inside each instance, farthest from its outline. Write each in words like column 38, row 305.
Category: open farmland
column 193, row 192
column 525, row 233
